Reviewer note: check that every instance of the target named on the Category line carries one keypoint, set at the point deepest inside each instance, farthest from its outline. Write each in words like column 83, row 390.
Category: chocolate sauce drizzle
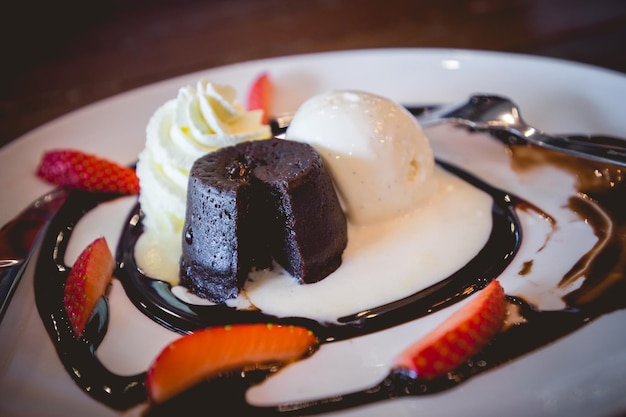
column 602, row 269
column 154, row 298
column 78, row 354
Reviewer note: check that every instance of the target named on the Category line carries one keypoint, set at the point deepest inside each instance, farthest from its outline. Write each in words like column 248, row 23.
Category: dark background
column 61, row 55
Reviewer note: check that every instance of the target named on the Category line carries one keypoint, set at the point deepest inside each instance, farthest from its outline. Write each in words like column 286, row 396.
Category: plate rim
column 11, row 147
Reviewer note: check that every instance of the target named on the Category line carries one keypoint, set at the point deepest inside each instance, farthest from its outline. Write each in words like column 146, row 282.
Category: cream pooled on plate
column 377, row 152
column 406, row 228
column 201, row 119
column 384, row 169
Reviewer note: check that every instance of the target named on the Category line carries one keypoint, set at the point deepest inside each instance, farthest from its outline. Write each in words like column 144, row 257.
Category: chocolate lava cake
column 253, row 202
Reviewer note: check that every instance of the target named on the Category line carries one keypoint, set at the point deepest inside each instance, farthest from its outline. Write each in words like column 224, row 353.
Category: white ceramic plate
column 582, row 374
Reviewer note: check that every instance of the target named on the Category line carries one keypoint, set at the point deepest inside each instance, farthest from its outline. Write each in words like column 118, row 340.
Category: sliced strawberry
column 208, row 353
column 75, row 169
column 87, row 282
column 260, row 95
column 460, row 337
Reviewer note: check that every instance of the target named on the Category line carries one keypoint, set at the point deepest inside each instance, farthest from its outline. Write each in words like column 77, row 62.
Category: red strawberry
column 76, row 169
column 208, row 353
column 87, row 282
column 260, row 95
column 460, row 337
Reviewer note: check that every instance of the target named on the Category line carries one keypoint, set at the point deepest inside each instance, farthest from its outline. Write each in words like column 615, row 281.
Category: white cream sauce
column 383, row 262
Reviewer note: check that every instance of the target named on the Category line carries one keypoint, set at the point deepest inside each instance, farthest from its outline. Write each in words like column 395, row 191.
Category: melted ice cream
column 410, row 225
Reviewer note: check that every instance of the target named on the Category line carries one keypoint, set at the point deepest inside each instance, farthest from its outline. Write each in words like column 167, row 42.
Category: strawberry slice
column 460, row 337
column 206, row 354
column 76, row 169
column 87, row 282
column 260, row 95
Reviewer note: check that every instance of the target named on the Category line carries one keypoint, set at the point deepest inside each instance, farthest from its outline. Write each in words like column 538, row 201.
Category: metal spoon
column 500, row 115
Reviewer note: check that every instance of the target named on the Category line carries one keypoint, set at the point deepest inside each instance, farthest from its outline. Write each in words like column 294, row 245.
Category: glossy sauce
column 600, row 202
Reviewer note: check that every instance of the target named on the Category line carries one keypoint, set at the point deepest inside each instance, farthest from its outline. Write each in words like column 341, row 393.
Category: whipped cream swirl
column 200, row 120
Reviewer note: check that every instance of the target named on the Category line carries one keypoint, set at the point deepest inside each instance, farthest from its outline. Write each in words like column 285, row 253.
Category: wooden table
column 62, row 55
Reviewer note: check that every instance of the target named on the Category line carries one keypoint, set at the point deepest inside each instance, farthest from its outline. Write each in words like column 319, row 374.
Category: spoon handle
column 611, row 154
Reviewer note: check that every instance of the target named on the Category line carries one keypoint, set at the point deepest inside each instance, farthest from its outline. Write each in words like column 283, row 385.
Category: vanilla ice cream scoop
column 377, row 152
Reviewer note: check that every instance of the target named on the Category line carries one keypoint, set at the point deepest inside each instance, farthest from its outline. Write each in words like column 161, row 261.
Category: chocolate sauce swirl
column 600, row 202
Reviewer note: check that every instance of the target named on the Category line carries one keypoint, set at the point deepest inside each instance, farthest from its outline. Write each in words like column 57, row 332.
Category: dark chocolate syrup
column 78, row 354
column 154, row 298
